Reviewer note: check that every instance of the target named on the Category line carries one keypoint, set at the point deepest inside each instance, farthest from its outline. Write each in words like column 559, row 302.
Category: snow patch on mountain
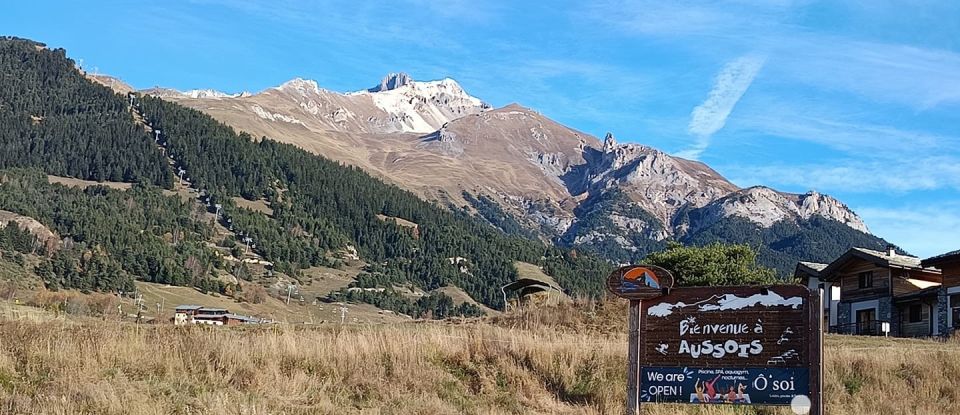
column 272, row 116
column 422, row 107
column 300, row 85
column 193, row 93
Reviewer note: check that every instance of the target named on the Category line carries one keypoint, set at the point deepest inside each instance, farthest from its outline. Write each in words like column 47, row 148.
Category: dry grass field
column 548, row 361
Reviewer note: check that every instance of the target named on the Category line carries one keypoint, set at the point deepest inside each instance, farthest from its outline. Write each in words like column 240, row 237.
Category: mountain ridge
column 437, row 140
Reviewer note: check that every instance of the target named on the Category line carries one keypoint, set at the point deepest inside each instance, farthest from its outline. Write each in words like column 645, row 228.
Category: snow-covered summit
column 193, row 93
column 422, row 107
column 300, row 85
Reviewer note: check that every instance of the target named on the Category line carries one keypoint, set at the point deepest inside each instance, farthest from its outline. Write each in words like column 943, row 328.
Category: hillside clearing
column 255, row 205
column 459, row 297
column 399, row 221
column 272, row 308
column 72, row 182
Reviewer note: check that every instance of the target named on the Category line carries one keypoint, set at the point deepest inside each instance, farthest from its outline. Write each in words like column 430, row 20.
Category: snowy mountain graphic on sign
column 728, row 302
column 638, row 278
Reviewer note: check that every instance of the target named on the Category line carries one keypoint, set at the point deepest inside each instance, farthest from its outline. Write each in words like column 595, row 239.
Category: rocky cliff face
column 434, row 138
column 766, row 207
column 657, row 182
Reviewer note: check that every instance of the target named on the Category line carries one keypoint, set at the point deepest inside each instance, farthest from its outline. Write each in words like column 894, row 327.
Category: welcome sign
column 723, row 326
column 747, row 345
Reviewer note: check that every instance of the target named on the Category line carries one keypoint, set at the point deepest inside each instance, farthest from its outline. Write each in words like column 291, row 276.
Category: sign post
column 744, row 345
column 637, row 283
column 633, row 362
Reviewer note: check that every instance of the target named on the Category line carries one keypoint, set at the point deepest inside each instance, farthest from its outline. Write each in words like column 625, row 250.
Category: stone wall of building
column 887, row 312
column 843, row 313
column 942, row 311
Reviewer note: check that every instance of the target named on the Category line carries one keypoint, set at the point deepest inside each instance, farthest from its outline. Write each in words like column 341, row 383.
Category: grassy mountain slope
column 325, row 204
column 319, row 207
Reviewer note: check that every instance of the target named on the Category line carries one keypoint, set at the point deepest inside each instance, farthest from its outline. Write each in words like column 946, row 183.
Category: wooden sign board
column 638, row 282
column 738, row 345
column 727, row 326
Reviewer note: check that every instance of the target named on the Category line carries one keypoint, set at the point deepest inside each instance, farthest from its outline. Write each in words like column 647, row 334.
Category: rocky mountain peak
column 765, row 207
column 814, row 203
column 392, row 81
column 300, row 85
column 609, row 143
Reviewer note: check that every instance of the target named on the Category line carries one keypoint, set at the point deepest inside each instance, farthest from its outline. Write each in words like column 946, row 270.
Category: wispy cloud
column 826, row 124
column 926, row 230
column 906, row 174
column 918, row 77
column 728, row 86
column 679, row 18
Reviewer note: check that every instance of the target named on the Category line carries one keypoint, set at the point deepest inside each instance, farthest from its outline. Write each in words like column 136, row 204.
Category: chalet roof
column 883, row 259
column 812, row 268
column 895, row 259
column 213, row 310
column 188, row 307
column 940, row 259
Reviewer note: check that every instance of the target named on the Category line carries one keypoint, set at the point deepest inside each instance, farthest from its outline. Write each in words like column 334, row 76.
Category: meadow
column 553, row 361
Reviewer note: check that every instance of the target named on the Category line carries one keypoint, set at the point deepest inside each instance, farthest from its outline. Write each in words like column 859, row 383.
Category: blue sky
column 858, row 99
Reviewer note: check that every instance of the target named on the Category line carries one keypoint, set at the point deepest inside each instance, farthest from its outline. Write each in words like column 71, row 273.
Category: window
column 866, row 279
column 916, row 313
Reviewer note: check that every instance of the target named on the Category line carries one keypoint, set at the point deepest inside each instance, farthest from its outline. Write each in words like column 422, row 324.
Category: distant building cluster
column 868, row 292
column 196, row 314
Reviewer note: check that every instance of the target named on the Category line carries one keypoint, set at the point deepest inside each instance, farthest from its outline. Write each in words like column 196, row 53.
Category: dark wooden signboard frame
column 763, row 343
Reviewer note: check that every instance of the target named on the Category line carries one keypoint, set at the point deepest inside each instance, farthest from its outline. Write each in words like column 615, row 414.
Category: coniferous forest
column 325, row 205
column 55, row 121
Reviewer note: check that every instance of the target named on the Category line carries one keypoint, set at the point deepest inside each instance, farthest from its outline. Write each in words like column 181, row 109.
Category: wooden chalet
column 195, row 314
column 879, row 293
column 948, row 310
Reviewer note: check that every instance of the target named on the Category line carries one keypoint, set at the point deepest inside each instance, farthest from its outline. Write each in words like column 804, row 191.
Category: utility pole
column 289, row 290
column 343, row 313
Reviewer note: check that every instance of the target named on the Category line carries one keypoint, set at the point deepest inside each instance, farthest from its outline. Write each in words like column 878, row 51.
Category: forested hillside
column 320, row 205
column 58, row 122
column 782, row 245
column 54, row 119
column 112, row 236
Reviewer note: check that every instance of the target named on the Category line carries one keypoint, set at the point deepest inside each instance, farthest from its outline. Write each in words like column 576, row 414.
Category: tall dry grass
column 484, row 367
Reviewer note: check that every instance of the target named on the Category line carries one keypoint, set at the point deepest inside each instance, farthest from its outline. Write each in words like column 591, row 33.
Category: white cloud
column 923, row 230
column 857, row 176
column 919, row 77
column 684, row 17
column 825, row 123
column 710, row 116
